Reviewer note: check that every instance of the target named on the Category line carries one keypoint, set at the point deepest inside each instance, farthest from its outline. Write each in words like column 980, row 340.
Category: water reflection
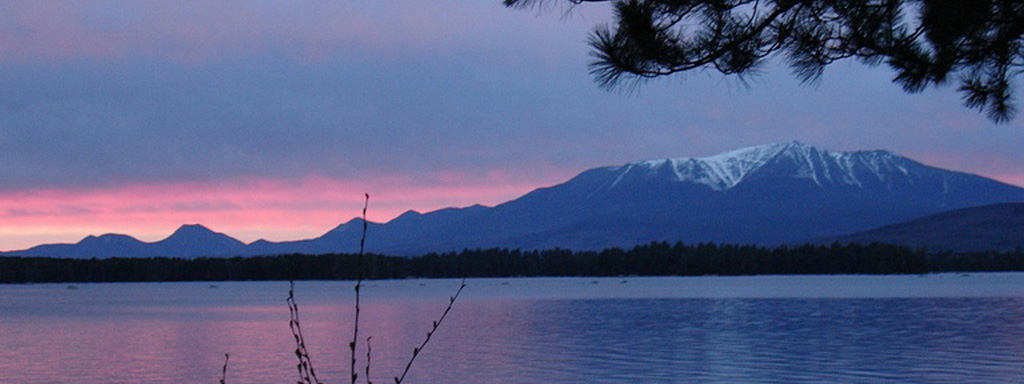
column 760, row 341
column 167, row 333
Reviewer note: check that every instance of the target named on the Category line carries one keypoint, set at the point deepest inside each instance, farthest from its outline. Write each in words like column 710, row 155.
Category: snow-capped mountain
column 796, row 160
column 770, row 194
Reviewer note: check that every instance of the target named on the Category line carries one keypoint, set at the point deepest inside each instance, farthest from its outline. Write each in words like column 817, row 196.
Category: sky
column 271, row 119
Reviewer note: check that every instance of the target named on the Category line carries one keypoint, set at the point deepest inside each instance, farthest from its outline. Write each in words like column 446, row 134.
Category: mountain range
column 768, row 195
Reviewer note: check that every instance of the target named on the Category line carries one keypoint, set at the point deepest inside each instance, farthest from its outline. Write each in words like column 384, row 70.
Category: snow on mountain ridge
column 726, row 170
column 774, row 201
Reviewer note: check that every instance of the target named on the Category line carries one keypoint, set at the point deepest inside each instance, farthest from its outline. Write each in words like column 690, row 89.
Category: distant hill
column 189, row 241
column 997, row 227
column 768, row 195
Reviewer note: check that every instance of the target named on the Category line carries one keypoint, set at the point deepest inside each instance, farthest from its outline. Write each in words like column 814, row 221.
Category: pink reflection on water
column 523, row 331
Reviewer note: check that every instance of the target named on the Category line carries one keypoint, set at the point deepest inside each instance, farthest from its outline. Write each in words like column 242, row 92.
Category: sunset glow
column 249, row 211
column 270, row 119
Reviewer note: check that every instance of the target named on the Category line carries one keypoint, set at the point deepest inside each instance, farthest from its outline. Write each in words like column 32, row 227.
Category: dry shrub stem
column 359, row 284
column 368, row 350
column 416, row 351
column 224, row 370
column 307, row 375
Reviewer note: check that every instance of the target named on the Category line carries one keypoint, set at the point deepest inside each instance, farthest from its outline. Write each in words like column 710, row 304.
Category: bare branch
column 359, row 284
column 224, row 370
column 416, row 351
column 307, row 375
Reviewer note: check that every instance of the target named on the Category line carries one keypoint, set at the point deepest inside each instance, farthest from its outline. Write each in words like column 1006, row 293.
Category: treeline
column 655, row 259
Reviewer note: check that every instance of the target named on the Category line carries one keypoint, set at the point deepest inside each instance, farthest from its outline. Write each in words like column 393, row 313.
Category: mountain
column 343, row 238
column 996, row 227
column 770, row 194
column 196, row 240
column 91, row 246
column 188, row 241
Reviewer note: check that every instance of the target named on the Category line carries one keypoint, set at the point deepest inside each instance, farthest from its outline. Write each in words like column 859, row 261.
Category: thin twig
column 307, row 375
column 368, row 350
column 416, row 351
column 224, row 370
column 359, row 284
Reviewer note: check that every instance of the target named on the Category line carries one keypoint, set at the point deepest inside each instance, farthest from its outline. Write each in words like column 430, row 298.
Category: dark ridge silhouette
column 766, row 195
column 997, row 227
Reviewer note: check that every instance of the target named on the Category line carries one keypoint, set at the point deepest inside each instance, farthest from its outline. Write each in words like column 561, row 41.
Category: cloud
column 446, row 94
column 200, row 32
column 163, row 113
column 109, row 126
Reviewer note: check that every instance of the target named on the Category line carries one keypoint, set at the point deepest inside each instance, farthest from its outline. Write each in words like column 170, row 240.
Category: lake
column 944, row 328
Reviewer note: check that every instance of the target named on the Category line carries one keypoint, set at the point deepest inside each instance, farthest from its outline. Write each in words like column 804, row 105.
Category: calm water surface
column 771, row 329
